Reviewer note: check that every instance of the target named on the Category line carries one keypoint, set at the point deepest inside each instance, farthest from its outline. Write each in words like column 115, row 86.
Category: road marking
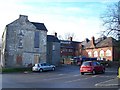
column 108, row 76
column 95, row 75
column 61, row 74
column 80, row 79
column 103, row 83
column 76, row 80
column 77, row 75
column 55, row 78
column 61, row 77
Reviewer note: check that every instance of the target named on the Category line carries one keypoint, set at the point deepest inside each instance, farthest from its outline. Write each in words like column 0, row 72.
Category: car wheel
column 53, row 69
column 41, row 70
column 82, row 73
column 103, row 71
column 93, row 72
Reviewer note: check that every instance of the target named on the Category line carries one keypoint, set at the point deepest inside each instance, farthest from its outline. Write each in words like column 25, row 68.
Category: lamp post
column 119, row 36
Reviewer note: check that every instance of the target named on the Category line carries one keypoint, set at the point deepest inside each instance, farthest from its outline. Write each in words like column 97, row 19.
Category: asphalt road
column 64, row 77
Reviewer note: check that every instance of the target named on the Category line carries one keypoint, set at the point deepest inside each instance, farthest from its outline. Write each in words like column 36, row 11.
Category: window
column 20, row 43
column 95, row 54
column 53, row 48
column 86, row 64
column 70, row 50
column 101, row 53
column 108, row 53
column 36, row 39
column 90, row 54
column 96, row 64
column 20, row 39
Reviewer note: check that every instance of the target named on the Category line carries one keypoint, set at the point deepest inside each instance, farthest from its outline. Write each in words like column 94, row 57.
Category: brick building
column 69, row 49
column 101, row 48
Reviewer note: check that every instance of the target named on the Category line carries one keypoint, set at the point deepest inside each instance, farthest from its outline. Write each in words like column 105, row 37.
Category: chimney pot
column 93, row 41
column 23, row 17
column 55, row 34
column 71, row 38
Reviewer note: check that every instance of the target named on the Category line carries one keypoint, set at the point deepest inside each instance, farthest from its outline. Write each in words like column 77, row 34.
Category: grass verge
column 10, row 70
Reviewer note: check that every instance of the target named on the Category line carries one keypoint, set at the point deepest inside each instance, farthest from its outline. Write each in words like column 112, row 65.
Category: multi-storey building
column 23, row 43
column 69, row 49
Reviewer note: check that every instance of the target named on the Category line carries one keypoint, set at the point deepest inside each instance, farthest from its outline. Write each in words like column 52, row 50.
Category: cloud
column 59, row 18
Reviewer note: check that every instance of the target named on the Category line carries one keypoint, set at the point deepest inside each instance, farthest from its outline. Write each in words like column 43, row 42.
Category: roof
column 101, row 42
column 51, row 38
column 39, row 26
column 107, row 42
column 69, row 41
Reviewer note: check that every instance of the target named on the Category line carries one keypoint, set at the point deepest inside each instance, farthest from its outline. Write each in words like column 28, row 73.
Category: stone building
column 23, row 43
column 53, row 49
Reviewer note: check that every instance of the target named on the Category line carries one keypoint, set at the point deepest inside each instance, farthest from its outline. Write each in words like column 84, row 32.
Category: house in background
column 69, row 49
column 53, row 49
column 101, row 48
column 23, row 43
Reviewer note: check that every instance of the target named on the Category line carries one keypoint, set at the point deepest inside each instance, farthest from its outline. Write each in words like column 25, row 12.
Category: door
column 36, row 58
column 19, row 60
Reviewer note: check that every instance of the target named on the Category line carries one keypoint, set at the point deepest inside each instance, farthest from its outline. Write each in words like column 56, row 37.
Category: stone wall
column 19, row 48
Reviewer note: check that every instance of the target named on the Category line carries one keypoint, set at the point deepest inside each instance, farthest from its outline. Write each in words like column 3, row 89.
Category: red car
column 91, row 67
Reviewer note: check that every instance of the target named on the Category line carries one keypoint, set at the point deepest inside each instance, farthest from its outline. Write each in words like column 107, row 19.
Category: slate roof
column 101, row 42
column 69, row 44
column 69, row 41
column 39, row 26
column 51, row 38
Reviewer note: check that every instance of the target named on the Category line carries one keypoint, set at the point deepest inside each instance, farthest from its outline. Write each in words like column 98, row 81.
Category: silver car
column 43, row 67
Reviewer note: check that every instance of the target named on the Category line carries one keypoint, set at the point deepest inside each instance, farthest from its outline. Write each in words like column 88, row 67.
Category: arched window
column 95, row 54
column 101, row 53
column 108, row 53
column 90, row 54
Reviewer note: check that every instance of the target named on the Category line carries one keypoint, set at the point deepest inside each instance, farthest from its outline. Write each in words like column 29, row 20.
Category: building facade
column 69, row 49
column 53, row 50
column 105, row 48
column 23, row 43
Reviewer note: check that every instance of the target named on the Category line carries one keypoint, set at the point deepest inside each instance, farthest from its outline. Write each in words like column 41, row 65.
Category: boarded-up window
column 19, row 60
column 36, row 39
column 36, row 59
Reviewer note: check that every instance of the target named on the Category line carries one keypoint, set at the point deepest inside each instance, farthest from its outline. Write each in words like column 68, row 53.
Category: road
column 64, row 77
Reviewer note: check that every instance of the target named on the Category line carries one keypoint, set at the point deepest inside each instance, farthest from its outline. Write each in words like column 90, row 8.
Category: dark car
column 91, row 67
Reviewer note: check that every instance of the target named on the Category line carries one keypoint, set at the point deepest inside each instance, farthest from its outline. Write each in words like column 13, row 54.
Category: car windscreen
column 36, row 65
column 86, row 64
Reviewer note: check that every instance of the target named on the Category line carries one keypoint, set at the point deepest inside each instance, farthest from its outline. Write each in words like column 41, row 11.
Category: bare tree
column 111, row 20
column 67, row 36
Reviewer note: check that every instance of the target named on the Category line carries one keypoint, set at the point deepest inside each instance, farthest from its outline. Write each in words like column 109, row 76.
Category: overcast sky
column 81, row 17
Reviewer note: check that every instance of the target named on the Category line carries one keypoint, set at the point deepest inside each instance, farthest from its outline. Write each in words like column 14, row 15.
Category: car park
column 91, row 67
column 43, row 67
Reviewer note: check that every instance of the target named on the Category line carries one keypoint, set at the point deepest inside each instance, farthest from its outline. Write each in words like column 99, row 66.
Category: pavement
column 109, row 83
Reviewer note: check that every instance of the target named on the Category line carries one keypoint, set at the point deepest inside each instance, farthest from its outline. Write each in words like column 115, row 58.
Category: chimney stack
column 55, row 34
column 93, row 41
column 23, row 18
column 71, row 38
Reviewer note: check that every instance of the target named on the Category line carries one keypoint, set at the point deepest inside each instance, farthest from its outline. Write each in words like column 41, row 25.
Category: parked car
column 91, row 67
column 43, row 67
